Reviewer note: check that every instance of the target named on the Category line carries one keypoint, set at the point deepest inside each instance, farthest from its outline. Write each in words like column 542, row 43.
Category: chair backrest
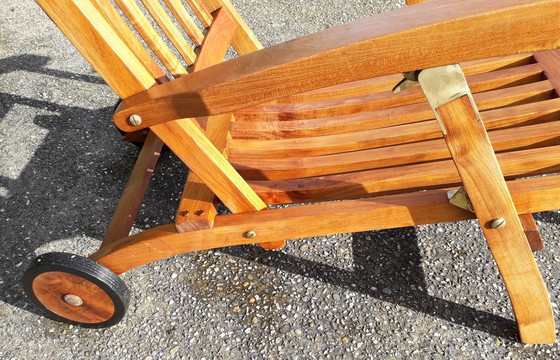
column 136, row 44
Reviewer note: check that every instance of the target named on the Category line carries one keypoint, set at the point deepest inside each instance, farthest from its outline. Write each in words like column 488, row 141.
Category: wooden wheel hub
column 73, row 297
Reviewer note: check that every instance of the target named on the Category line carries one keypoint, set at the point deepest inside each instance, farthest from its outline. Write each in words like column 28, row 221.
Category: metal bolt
column 73, row 300
column 134, row 120
column 498, row 223
column 250, row 234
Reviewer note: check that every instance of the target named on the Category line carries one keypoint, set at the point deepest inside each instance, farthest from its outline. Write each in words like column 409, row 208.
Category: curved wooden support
column 435, row 33
column 529, row 195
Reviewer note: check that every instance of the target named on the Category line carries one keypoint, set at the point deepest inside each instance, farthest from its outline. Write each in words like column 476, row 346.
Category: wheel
column 139, row 137
column 76, row 290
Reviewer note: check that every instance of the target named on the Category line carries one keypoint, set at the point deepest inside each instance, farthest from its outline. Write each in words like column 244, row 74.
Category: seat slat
column 151, row 37
column 323, row 145
column 166, row 24
column 399, row 179
column 383, row 99
column 385, row 83
column 527, row 137
column 185, row 20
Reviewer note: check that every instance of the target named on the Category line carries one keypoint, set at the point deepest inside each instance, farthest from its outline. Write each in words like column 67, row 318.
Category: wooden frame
column 273, row 127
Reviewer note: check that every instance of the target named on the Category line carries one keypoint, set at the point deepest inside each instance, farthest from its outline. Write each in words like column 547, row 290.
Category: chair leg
column 484, row 182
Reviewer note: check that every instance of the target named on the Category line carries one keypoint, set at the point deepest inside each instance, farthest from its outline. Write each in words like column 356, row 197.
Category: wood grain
column 550, row 62
column 100, row 44
column 190, row 144
column 50, row 288
column 529, row 195
column 482, row 178
column 133, row 194
column 531, row 232
column 375, row 46
column 185, row 21
column 142, row 25
column 166, row 24
column 399, row 179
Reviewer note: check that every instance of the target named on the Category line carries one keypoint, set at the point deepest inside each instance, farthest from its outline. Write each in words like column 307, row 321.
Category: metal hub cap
column 73, row 300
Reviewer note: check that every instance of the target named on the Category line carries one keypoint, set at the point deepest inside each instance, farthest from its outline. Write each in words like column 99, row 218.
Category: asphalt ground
column 430, row 292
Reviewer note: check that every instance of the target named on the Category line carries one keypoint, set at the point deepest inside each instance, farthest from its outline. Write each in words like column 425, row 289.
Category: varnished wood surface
column 532, row 232
column 408, row 178
column 375, row 46
column 133, row 194
column 50, row 288
column 483, row 180
column 529, row 195
column 550, row 62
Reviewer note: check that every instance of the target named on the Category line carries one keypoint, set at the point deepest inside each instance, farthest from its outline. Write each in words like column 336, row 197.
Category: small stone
column 304, row 247
column 246, row 283
column 236, row 309
column 255, row 320
column 252, row 300
column 219, row 288
column 498, row 342
column 284, row 329
column 148, row 358
column 297, row 331
column 173, row 351
column 387, row 291
column 344, row 339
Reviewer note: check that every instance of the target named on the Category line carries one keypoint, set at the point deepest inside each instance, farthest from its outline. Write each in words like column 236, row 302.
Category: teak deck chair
column 323, row 120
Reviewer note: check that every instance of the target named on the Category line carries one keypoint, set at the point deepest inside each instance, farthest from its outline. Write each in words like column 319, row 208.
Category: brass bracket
column 460, row 198
column 441, row 85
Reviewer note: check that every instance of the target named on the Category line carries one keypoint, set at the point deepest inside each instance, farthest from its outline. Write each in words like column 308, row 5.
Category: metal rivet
column 73, row 300
column 498, row 223
column 134, row 120
column 199, row 212
column 250, row 234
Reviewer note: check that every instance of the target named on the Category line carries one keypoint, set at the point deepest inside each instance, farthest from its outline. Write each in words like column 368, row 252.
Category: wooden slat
column 151, row 37
column 386, row 83
column 197, row 208
column 192, row 146
column 166, row 24
column 131, row 199
column 398, row 179
column 217, row 41
column 550, row 62
column 185, row 20
column 527, row 137
column 323, row 145
column 200, row 12
column 373, row 120
column 244, row 41
column 384, row 99
column 100, row 44
column 531, row 232
column 529, row 195
column 402, row 40
column 480, row 173
column 112, row 16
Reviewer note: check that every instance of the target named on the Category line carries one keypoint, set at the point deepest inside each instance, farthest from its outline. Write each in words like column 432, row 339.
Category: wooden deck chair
column 314, row 120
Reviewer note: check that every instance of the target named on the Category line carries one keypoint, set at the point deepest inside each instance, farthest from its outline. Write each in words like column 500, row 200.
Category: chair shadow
column 380, row 265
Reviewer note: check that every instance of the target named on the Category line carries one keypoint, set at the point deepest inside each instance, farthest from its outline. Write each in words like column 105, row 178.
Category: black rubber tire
column 110, row 283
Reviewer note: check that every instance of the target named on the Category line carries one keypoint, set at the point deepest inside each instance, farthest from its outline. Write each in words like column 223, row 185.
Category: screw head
column 134, row 120
column 498, row 223
column 250, row 234
column 73, row 300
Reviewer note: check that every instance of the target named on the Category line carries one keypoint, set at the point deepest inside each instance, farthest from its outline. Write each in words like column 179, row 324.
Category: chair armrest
column 430, row 34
